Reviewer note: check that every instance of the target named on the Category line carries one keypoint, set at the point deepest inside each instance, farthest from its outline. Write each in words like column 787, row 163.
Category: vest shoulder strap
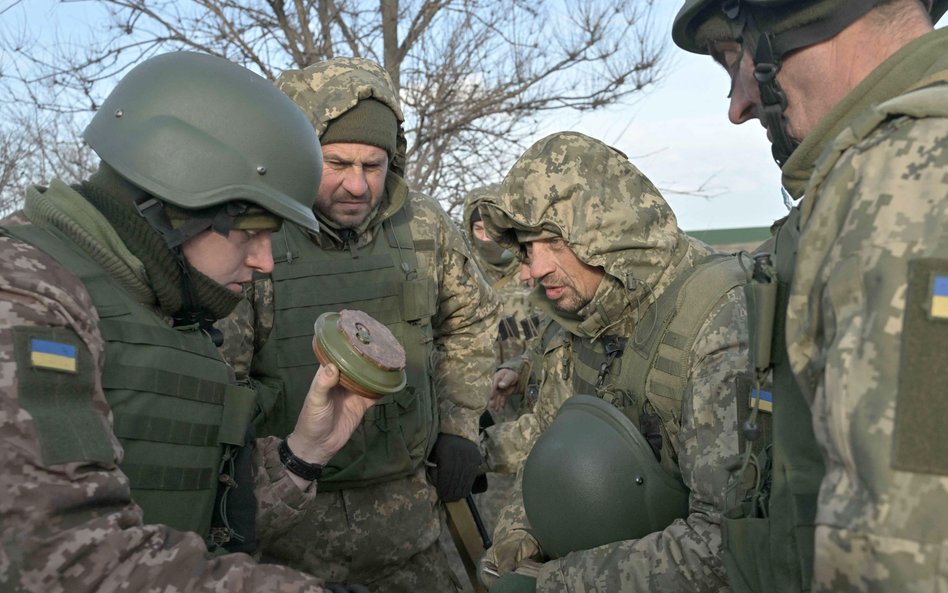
column 661, row 345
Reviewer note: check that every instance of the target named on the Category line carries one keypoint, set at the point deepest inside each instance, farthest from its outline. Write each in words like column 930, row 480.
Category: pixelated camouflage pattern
column 876, row 200
column 384, row 535
column 325, row 90
column 519, row 317
column 612, row 216
column 72, row 527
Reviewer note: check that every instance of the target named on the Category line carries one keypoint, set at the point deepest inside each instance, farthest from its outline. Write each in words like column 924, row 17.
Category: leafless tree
column 475, row 76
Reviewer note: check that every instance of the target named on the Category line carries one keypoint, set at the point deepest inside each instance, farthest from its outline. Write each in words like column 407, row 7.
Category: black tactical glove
column 338, row 588
column 455, row 463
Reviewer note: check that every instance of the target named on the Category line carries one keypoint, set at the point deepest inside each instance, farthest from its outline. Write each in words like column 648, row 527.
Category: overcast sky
column 677, row 134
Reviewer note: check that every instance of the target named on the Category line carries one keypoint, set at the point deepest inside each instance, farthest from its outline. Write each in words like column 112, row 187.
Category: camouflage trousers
column 383, row 536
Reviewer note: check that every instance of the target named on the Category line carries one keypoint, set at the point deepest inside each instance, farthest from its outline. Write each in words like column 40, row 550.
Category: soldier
column 653, row 323
column 123, row 435
column 854, row 100
column 520, row 320
column 516, row 333
column 393, row 253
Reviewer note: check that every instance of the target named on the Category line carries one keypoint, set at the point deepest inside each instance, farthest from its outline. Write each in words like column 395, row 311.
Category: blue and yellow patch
column 765, row 401
column 57, row 356
column 939, row 302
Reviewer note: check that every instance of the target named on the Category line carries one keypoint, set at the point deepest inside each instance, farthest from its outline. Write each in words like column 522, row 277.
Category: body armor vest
column 180, row 421
column 645, row 376
column 384, row 280
column 768, row 538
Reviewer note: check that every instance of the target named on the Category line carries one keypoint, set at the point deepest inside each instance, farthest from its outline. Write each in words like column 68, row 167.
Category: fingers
column 327, row 376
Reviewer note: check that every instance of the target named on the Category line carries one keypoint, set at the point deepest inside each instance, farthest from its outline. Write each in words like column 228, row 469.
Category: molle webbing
column 173, row 408
column 383, row 279
column 663, row 344
column 653, row 365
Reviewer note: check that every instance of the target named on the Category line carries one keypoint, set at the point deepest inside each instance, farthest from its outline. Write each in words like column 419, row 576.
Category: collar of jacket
column 62, row 207
column 918, row 59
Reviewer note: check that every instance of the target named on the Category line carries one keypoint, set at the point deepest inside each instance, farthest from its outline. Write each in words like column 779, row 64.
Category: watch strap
column 295, row 465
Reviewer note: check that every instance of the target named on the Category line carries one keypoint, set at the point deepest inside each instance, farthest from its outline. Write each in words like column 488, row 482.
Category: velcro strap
column 158, row 477
column 164, row 430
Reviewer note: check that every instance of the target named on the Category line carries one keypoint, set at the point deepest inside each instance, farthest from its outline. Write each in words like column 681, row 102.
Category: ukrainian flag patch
column 939, row 302
column 765, row 401
column 56, row 356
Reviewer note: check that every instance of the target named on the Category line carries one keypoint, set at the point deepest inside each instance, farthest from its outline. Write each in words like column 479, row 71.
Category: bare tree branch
column 475, row 76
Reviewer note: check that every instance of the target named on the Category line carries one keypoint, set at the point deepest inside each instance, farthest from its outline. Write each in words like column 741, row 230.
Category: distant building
column 730, row 240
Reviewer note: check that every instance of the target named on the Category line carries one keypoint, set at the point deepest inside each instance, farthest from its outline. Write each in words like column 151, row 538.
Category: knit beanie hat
column 369, row 122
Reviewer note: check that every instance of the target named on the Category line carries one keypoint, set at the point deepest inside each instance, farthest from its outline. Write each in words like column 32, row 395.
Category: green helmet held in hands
column 592, row 479
column 198, row 131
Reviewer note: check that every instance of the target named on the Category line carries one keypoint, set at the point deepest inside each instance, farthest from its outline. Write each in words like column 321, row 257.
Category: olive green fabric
column 607, row 489
column 919, row 440
column 166, row 388
column 50, row 394
column 768, row 536
column 197, row 130
column 115, row 199
column 399, row 431
column 369, row 122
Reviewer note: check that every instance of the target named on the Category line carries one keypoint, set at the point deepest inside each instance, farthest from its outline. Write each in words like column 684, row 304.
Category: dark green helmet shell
column 197, row 131
column 774, row 16
column 592, row 479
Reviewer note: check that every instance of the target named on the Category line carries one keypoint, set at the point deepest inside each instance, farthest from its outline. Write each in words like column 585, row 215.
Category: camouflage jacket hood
column 328, row 89
column 607, row 211
column 493, row 272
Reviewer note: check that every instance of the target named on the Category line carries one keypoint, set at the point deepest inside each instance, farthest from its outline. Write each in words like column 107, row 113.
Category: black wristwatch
column 295, row 465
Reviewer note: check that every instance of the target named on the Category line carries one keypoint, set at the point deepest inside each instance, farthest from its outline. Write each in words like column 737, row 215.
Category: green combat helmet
column 199, row 131
column 771, row 29
column 592, row 479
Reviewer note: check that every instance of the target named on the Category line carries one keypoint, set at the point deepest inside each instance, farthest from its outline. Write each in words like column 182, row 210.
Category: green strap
column 663, row 341
column 161, row 477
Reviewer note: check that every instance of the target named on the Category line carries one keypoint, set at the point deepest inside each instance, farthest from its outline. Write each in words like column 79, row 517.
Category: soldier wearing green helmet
column 854, row 98
column 128, row 456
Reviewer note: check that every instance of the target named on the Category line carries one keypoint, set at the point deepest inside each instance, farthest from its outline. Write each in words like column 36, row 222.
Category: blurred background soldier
column 854, row 99
column 516, row 334
column 518, row 327
column 653, row 323
column 396, row 255
column 126, row 455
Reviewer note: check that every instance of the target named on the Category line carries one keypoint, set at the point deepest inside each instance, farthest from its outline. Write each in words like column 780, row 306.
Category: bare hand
column 329, row 416
column 505, row 381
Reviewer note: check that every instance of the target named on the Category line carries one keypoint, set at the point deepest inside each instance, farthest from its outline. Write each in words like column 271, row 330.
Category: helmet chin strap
column 220, row 220
column 773, row 101
column 772, row 48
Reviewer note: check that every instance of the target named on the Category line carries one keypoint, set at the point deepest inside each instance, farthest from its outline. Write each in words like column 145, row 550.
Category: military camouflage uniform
column 520, row 318
column 611, row 216
column 382, row 534
column 865, row 336
column 516, row 334
column 67, row 519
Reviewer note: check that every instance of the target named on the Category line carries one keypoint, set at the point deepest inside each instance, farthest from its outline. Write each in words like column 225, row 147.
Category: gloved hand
column 507, row 552
column 514, row 583
column 339, row 588
column 455, row 463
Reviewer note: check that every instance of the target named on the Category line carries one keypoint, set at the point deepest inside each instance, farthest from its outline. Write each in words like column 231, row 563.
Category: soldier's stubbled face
column 566, row 280
column 353, row 182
